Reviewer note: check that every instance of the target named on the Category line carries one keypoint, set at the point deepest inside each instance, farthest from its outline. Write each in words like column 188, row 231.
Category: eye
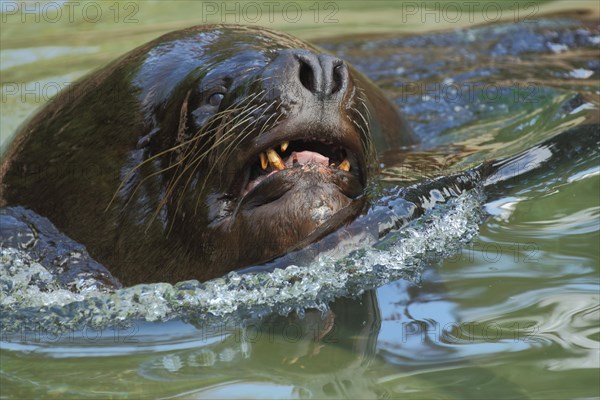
column 215, row 99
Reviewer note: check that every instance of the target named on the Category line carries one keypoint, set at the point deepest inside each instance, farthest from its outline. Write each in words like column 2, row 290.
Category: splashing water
column 29, row 297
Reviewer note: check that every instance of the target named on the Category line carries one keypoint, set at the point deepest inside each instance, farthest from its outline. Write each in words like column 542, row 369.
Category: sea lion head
column 263, row 142
column 228, row 147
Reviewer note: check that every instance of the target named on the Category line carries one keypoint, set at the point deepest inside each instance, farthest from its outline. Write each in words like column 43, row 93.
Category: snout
column 308, row 77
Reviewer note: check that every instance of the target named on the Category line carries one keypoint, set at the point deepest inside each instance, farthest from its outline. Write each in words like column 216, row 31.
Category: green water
column 515, row 314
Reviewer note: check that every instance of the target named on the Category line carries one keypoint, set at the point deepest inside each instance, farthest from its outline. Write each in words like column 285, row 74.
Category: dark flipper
column 68, row 261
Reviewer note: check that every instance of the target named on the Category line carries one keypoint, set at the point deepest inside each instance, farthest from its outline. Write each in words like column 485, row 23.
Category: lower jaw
column 272, row 230
column 287, row 222
column 308, row 184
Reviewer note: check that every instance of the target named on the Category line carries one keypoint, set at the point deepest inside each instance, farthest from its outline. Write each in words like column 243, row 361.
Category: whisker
column 185, row 143
column 198, row 159
column 225, row 154
column 190, row 152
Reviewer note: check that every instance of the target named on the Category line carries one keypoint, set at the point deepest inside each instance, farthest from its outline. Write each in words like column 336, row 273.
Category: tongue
column 305, row 157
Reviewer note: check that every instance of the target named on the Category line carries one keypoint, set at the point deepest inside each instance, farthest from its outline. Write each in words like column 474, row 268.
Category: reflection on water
column 512, row 314
column 15, row 57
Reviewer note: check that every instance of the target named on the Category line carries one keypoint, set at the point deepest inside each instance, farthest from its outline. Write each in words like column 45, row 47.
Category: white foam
column 401, row 254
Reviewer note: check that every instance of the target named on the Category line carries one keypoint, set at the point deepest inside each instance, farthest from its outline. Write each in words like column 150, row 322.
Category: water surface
column 493, row 294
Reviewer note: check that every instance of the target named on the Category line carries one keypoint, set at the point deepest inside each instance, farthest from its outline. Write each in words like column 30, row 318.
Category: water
column 493, row 293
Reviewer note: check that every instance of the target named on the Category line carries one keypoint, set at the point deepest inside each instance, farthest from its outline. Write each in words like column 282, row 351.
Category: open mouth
column 287, row 155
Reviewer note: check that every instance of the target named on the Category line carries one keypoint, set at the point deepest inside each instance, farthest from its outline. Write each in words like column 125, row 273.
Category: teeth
column 284, row 146
column 345, row 165
column 275, row 160
column 264, row 162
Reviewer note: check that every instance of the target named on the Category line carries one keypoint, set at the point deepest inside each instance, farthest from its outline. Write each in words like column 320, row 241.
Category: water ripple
column 29, row 298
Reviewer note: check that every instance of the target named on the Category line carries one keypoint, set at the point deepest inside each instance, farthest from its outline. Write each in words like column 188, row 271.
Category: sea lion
column 206, row 150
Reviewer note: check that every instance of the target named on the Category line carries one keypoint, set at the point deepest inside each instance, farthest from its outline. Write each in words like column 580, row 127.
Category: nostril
column 322, row 75
column 338, row 77
column 307, row 76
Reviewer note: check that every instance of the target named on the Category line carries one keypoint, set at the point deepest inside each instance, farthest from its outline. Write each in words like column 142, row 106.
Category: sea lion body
column 156, row 162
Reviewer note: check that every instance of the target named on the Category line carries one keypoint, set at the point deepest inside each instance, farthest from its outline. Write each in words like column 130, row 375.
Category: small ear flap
column 183, row 116
column 181, row 136
column 388, row 128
